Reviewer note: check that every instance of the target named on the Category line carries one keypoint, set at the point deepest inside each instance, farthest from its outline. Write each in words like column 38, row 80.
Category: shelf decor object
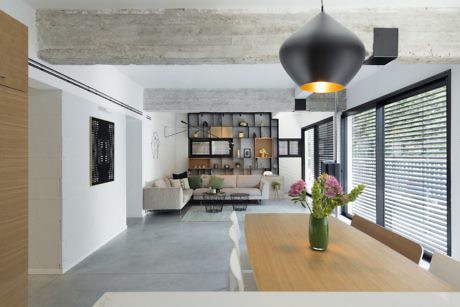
column 327, row 194
column 323, row 55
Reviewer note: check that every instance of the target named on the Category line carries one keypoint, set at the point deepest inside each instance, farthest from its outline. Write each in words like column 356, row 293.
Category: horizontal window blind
column 325, row 144
column 309, row 158
column 363, row 163
column 416, row 168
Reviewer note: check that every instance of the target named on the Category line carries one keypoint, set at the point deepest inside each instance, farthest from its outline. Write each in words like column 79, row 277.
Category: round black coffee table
column 239, row 201
column 213, row 202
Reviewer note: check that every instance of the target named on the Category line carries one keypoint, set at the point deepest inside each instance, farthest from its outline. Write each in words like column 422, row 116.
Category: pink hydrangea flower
column 333, row 187
column 297, row 188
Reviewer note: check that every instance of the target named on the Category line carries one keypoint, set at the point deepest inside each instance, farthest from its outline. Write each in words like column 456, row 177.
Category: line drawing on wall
column 155, row 144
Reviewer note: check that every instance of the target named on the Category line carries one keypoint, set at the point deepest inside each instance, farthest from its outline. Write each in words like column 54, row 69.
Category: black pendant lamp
column 322, row 56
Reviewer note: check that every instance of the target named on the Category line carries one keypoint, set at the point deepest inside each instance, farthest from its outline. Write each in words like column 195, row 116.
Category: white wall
column 133, row 167
column 396, row 76
column 44, row 181
column 290, row 126
column 181, row 143
column 166, row 163
column 91, row 215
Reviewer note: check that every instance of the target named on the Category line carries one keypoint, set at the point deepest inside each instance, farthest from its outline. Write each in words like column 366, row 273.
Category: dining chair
column 402, row 245
column 446, row 268
column 234, row 219
column 242, row 254
column 239, row 280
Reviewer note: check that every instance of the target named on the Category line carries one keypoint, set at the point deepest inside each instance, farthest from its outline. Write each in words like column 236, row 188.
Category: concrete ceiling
column 259, row 5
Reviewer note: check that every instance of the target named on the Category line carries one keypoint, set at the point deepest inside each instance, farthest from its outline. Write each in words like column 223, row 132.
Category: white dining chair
column 242, row 254
column 234, row 219
column 239, row 280
column 446, row 268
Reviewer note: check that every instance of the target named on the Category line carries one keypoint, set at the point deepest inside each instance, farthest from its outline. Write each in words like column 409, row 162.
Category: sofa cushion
column 180, row 175
column 175, row 183
column 195, row 182
column 216, row 182
column 248, row 181
column 200, row 191
column 205, row 181
column 160, row 183
column 184, row 184
column 250, row 191
column 168, row 183
column 229, row 181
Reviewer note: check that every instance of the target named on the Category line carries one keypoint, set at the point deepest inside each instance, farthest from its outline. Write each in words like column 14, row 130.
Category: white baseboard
column 45, row 271
column 69, row 267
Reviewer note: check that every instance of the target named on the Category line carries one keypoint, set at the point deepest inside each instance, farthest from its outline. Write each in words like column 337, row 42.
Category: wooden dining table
column 281, row 259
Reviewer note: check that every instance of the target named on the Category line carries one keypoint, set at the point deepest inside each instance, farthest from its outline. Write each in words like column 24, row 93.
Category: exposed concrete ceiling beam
column 190, row 36
column 235, row 100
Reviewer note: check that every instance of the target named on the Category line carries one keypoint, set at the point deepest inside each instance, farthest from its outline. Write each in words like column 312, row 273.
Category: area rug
column 199, row 214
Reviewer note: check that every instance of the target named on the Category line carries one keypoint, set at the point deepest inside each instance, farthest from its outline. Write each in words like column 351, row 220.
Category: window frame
column 441, row 79
column 289, row 140
column 313, row 126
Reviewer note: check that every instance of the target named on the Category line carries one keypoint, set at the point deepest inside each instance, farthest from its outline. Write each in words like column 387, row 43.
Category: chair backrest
column 233, row 234
column 236, row 275
column 446, row 268
column 402, row 245
column 234, row 219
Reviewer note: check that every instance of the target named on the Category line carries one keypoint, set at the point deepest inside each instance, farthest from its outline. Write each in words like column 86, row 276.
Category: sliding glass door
column 399, row 148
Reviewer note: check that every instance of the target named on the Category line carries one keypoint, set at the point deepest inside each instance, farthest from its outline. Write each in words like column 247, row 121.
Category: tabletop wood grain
column 281, row 259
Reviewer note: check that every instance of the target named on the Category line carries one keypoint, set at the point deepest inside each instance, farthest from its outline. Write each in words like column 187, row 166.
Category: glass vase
column 318, row 233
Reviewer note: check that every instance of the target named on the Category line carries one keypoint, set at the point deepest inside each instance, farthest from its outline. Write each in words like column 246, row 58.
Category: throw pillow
column 180, row 176
column 216, row 182
column 175, row 183
column 195, row 182
column 184, row 184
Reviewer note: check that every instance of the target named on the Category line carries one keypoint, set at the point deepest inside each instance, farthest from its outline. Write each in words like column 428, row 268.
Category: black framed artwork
column 102, row 151
column 247, row 153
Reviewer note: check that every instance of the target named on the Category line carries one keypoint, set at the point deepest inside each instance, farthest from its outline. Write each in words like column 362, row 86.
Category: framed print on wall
column 247, row 153
column 102, row 151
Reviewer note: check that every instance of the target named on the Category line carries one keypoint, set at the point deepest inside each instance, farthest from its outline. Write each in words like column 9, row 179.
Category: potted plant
column 327, row 194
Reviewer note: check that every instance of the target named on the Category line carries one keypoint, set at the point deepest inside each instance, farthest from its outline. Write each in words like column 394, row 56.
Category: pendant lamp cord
column 322, row 7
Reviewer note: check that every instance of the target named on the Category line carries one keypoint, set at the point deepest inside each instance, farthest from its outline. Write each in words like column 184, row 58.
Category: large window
column 398, row 146
column 318, row 147
column 362, row 131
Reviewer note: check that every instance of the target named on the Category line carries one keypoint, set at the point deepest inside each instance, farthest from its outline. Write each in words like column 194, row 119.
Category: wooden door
column 13, row 163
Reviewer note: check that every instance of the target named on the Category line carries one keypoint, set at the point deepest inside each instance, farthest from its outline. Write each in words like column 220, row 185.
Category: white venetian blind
column 416, row 168
column 363, row 163
column 325, row 144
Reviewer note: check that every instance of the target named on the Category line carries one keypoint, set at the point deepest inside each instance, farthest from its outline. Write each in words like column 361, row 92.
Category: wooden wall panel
column 13, row 53
column 13, row 163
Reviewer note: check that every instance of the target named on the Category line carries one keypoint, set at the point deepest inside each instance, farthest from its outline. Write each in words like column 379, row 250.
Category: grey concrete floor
column 156, row 253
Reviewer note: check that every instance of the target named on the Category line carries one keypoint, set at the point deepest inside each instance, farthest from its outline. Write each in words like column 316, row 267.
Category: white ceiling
column 291, row 5
column 208, row 76
column 220, row 76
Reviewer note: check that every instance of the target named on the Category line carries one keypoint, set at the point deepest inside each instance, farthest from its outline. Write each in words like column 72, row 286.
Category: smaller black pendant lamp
column 322, row 56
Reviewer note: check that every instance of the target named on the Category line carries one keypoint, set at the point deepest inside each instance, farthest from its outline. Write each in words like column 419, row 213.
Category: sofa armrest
column 163, row 198
column 264, row 187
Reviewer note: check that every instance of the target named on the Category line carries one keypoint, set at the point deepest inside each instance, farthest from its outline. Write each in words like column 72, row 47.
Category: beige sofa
column 254, row 185
column 159, row 195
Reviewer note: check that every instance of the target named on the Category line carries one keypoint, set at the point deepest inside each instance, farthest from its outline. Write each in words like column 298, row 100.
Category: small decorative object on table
column 263, row 153
column 327, row 194
column 241, row 134
column 196, row 134
column 243, row 123
column 247, row 152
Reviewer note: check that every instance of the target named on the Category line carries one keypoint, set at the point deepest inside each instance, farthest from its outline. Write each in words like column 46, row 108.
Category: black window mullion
column 380, row 165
